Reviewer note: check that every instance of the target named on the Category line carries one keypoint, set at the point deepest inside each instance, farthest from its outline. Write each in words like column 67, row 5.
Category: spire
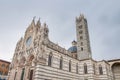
column 38, row 23
column 78, row 19
column 33, row 21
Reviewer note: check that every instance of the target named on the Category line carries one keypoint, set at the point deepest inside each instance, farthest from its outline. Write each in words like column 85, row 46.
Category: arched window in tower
column 69, row 65
column 22, row 75
column 77, row 68
column 81, row 37
column 50, row 59
column 85, row 69
column 100, row 70
column 61, row 63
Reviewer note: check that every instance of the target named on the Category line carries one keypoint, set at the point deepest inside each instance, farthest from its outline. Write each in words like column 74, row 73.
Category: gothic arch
column 100, row 69
column 61, row 62
column 85, row 68
column 94, row 68
column 30, row 57
column 116, row 70
column 77, row 70
column 50, row 56
column 69, row 65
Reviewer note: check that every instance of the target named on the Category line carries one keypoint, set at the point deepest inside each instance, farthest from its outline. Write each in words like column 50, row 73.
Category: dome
column 73, row 49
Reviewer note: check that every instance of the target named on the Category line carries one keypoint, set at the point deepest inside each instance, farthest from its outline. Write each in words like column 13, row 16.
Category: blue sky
column 102, row 15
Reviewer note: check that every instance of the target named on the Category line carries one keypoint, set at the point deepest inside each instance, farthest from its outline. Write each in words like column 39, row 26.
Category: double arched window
column 100, row 70
column 61, row 63
column 85, row 69
column 50, row 59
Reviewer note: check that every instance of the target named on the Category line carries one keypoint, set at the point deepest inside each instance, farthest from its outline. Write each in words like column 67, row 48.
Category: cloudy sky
column 103, row 21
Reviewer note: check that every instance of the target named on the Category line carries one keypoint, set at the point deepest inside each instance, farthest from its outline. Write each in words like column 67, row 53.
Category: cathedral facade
column 38, row 58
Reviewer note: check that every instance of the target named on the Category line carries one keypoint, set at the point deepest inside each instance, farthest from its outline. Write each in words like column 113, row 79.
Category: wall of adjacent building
column 4, row 68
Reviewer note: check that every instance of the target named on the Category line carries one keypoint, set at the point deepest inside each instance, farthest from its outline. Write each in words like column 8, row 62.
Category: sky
column 103, row 17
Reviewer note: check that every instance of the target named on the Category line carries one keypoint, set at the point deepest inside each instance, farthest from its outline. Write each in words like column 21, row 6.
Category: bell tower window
column 81, row 48
column 80, row 32
column 80, row 27
column 81, row 37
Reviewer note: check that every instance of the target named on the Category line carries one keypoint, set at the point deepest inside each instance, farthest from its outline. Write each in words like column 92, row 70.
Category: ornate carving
column 36, row 41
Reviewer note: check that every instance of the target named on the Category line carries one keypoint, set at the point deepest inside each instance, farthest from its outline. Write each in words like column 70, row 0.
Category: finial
column 33, row 21
column 34, row 17
column 81, row 16
column 74, row 43
column 39, row 19
column 44, row 24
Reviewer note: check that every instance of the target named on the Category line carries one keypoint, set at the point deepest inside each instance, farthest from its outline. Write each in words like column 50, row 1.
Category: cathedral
column 38, row 58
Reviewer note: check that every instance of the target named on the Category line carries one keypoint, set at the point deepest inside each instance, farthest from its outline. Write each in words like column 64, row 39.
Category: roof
column 5, row 61
column 113, row 60
column 73, row 49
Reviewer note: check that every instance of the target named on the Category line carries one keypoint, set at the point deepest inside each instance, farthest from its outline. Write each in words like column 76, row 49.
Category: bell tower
column 83, row 43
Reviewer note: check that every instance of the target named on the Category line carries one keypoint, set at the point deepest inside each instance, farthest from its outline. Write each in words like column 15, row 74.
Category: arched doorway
column 116, row 71
column 31, row 70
